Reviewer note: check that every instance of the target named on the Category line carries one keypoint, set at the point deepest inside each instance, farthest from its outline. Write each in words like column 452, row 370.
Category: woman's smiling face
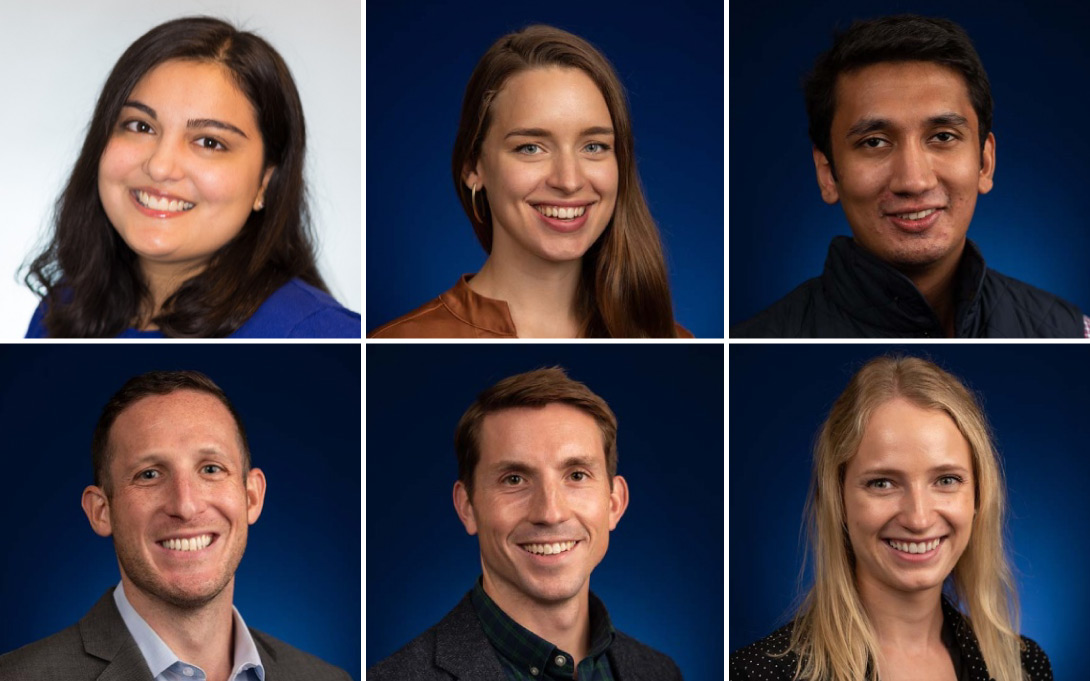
column 184, row 166
column 548, row 165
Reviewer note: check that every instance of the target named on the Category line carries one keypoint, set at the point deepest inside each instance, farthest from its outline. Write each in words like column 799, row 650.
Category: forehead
column 178, row 424
column 549, row 97
column 902, row 436
column 542, row 436
column 181, row 88
column 906, row 93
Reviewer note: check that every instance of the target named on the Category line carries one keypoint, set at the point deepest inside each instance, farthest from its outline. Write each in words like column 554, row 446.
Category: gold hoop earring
column 473, row 202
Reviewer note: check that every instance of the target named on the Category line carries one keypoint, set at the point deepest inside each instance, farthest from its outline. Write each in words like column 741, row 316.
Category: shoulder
column 292, row 663
column 682, row 332
column 423, row 322
column 1040, row 313
column 36, row 329
column 459, row 312
column 60, row 656
column 1035, row 661
column 416, row 660
column 784, row 318
column 766, row 659
column 630, row 654
column 299, row 310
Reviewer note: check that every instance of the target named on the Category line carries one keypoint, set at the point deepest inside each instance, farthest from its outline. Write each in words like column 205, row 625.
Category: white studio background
column 55, row 56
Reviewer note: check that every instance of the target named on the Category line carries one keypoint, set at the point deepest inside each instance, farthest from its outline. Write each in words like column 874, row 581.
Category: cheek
column 223, row 185
column 118, row 160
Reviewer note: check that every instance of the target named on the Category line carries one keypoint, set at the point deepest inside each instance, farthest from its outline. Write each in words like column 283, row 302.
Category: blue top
column 295, row 310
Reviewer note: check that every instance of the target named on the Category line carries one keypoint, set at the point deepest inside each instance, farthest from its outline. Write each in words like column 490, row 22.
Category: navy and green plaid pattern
column 525, row 656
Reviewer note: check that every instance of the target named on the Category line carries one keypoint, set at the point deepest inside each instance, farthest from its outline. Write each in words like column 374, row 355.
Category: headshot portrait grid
column 550, row 492
column 547, row 201
column 185, row 179
column 914, row 489
column 924, row 204
column 184, row 512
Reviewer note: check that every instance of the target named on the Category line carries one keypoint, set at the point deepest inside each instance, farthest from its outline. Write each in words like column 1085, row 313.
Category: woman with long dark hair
column 544, row 168
column 186, row 214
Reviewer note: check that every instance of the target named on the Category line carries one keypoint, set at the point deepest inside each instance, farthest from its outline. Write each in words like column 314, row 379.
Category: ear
column 255, row 494
column 464, row 507
column 97, row 507
column 473, row 175
column 618, row 501
column 987, row 165
column 826, row 181
column 259, row 201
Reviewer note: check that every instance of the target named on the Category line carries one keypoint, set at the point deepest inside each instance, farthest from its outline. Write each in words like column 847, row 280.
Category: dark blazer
column 458, row 649
column 100, row 648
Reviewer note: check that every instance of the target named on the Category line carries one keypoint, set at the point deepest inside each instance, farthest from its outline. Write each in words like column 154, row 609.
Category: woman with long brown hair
column 185, row 214
column 545, row 170
column 906, row 517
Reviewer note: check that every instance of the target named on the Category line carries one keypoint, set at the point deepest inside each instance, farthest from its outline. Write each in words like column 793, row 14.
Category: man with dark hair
column 175, row 489
column 900, row 113
column 537, row 463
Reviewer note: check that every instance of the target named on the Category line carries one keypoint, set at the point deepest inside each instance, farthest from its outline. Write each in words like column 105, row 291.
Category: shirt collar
column 489, row 314
column 160, row 657
column 527, row 650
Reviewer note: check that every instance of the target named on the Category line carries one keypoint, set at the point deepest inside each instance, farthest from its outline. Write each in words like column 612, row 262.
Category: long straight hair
column 833, row 636
column 623, row 290
column 91, row 280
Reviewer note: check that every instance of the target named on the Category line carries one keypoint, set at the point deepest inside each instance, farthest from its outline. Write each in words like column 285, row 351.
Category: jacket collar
column 878, row 296
column 476, row 310
column 106, row 637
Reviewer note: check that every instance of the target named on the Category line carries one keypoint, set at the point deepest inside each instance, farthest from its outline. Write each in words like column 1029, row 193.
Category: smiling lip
column 564, row 226
column 921, row 219
column 566, row 547
column 134, row 195
column 187, row 544
column 914, row 557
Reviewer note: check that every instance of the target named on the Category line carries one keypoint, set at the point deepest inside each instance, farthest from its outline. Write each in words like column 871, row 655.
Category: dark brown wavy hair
column 623, row 291
column 91, row 280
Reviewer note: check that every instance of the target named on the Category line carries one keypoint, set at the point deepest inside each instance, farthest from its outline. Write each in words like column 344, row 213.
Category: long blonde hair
column 833, row 636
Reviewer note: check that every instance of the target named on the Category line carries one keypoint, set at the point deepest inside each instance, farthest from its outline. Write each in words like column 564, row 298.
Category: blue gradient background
column 419, row 57
column 299, row 580
column 1033, row 224
column 1036, row 397
column 662, row 579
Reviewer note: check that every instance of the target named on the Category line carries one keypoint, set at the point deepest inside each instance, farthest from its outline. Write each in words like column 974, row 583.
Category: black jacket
column 458, row 648
column 860, row 296
column 764, row 660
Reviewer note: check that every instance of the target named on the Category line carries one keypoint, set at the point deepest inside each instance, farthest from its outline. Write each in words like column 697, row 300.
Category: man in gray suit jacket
column 175, row 489
column 538, row 485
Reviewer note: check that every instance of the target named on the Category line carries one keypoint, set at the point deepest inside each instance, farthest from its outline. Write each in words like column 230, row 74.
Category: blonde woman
column 906, row 517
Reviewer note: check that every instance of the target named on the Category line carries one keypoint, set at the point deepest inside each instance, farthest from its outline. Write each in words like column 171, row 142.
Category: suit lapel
column 462, row 648
column 106, row 637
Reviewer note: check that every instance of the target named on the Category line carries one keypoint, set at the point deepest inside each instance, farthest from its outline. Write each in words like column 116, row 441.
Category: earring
column 259, row 204
column 473, row 201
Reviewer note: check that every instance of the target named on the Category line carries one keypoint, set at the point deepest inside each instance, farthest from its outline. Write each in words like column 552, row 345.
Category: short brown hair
column 532, row 389
column 146, row 385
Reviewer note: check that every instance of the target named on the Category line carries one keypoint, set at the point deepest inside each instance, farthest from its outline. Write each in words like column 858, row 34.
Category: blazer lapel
column 462, row 648
column 106, row 637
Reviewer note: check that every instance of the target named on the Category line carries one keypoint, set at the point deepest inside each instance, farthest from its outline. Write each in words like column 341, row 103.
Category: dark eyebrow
column 191, row 123
column 541, row 132
column 949, row 119
column 866, row 126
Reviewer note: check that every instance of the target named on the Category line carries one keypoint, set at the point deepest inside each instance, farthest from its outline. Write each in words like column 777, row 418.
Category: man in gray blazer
column 175, row 489
column 538, row 485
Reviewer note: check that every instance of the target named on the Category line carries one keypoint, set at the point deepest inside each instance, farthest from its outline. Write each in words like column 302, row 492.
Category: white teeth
column 917, row 216
column 163, row 204
column 187, row 544
column 914, row 547
column 561, row 213
column 549, row 549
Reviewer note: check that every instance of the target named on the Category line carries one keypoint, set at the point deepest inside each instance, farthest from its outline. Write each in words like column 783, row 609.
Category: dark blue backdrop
column 662, row 578
column 419, row 57
column 1033, row 224
column 299, row 579
column 1036, row 398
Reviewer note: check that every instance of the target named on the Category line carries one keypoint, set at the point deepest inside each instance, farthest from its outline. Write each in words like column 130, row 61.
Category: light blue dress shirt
column 166, row 666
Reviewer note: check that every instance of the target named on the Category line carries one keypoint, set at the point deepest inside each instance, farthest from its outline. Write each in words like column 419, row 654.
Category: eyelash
column 507, row 479
column 863, row 143
column 957, row 479
column 134, row 125
column 523, row 148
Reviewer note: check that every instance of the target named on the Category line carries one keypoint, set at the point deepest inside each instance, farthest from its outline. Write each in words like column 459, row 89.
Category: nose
column 549, row 505
column 916, row 510
column 912, row 171
column 566, row 174
column 163, row 163
column 183, row 498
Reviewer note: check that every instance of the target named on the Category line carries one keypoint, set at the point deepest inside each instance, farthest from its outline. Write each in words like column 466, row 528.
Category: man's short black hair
column 900, row 38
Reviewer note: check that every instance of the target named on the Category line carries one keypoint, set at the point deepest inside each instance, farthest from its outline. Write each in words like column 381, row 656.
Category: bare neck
column 202, row 636
column 541, row 296
column 901, row 620
column 565, row 624
column 162, row 281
